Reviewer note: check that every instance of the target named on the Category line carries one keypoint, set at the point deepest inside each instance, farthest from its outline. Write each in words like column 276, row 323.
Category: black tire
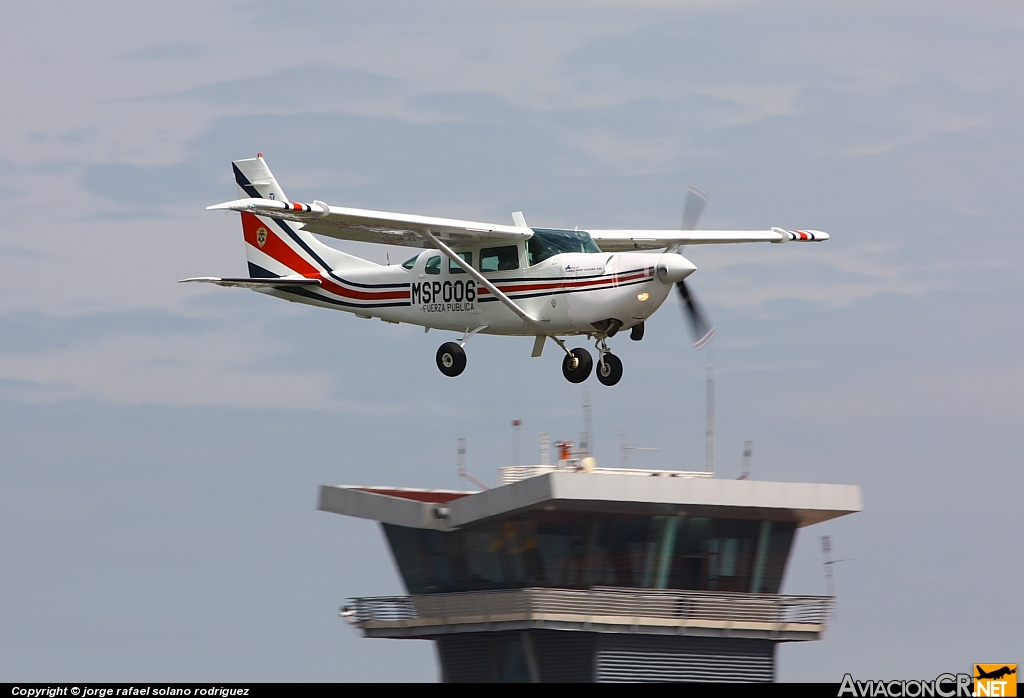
column 609, row 371
column 637, row 333
column 451, row 359
column 583, row 366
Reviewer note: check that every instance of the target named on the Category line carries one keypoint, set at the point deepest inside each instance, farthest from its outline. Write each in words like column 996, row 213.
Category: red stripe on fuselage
column 569, row 286
column 363, row 295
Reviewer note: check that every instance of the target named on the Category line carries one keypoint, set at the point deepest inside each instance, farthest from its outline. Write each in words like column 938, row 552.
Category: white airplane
column 476, row 277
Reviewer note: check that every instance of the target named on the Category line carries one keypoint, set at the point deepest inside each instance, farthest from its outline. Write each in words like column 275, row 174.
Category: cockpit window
column 547, row 243
column 433, row 265
column 410, row 263
column 499, row 258
column 454, row 268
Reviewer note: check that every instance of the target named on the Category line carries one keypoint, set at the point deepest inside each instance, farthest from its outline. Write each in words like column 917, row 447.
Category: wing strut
column 480, row 278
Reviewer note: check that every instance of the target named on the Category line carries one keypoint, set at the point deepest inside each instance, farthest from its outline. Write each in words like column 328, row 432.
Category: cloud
column 238, row 366
column 293, row 89
column 167, row 51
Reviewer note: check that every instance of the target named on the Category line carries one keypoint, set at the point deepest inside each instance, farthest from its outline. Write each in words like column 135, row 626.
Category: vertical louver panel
column 468, row 658
column 564, row 657
column 654, row 658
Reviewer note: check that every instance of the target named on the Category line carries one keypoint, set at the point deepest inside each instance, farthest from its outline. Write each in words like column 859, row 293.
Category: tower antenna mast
column 462, row 466
column 709, row 432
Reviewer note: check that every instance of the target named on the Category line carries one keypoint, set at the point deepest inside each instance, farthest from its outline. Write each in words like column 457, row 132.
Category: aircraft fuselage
column 568, row 293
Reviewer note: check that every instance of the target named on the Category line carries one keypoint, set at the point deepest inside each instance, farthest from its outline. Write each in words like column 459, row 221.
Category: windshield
column 547, row 243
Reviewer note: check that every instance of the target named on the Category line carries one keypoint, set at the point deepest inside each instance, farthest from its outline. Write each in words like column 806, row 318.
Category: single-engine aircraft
column 476, row 277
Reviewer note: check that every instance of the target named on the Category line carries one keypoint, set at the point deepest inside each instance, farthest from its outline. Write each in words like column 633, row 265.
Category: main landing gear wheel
column 576, row 365
column 609, row 371
column 451, row 359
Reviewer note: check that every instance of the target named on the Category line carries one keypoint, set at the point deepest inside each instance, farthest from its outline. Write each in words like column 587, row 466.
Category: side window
column 454, row 268
column 499, row 258
column 410, row 263
column 433, row 265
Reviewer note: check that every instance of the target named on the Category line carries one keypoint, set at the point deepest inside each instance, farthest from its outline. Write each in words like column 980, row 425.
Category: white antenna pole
column 462, row 467
column 826, row 552
column 748, row 451
column 545, row 449
column 709, row 433
column 830, row 584
column 515, row 441
column 624, row 456
column 587, row 445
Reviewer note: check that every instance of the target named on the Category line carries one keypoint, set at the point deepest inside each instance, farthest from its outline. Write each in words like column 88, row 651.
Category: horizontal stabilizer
column 254, row 283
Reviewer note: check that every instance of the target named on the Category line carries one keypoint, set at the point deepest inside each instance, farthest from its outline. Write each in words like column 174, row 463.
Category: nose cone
column 673, row 268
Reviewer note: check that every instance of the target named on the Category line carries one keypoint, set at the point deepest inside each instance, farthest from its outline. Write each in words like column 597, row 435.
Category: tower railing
column 604, row 605
column 509, row 474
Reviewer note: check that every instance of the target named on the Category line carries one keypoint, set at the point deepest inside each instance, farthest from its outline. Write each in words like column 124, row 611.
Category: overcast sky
column 162, row 444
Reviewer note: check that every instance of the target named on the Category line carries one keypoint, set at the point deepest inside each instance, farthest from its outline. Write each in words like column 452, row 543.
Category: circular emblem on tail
column 261, row 237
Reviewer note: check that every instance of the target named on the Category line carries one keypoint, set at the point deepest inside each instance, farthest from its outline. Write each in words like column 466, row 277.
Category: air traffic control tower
column 559, row 574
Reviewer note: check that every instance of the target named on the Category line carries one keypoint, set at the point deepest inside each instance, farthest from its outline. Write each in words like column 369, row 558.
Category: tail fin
column 276, row 248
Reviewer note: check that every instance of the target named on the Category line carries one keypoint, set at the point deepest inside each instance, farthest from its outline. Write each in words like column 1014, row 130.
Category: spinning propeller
column 703, row 331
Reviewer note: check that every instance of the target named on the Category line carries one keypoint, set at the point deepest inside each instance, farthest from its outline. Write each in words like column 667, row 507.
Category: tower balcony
column 777, row 617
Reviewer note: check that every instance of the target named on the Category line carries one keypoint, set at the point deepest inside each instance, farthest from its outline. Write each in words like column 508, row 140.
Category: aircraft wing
column 377, row 226
column 626, row 240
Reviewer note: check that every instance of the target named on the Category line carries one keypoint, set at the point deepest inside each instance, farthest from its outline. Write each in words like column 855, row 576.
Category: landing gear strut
column 609, row 368
column 451, row 359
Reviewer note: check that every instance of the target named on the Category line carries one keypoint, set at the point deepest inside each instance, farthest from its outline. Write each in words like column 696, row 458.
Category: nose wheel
column 609, row 369
column 451, row 359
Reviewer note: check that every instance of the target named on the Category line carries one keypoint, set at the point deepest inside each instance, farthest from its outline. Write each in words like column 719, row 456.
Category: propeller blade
column 702, row 329
column 696, row 200
column 694, row 206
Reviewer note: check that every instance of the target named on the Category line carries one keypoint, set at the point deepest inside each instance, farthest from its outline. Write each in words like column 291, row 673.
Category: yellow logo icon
column 261, row 237
column 995, row 680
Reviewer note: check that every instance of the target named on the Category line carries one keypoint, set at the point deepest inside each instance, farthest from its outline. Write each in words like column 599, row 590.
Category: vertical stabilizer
column 275, row 248
column 255, row 180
